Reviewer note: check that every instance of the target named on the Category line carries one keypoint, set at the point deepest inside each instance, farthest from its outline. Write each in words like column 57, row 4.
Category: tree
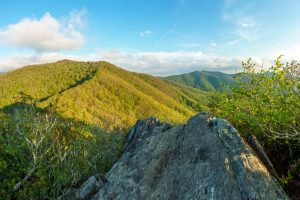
column 35, row 129
column 265, row 102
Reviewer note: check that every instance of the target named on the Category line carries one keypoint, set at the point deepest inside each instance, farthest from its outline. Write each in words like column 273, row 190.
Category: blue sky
column 159, row 37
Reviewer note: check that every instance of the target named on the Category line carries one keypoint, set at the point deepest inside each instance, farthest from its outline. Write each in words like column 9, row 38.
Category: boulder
column 85, row 192
column 202, row 159
column 89, row 188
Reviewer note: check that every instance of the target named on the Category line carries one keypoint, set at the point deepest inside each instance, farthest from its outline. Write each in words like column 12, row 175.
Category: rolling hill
column 55, row 117
column 204, row 80
column 99, row 93
column 90, row 105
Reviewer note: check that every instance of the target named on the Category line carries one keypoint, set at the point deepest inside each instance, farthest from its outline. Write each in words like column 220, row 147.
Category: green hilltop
column 204, row 80
column 100, row 93
column 62, row 122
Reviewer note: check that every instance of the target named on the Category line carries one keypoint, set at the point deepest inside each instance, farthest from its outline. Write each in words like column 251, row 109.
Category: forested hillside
column 266, row 103
column 204, row 80
column 99, row 93
column 61, row 122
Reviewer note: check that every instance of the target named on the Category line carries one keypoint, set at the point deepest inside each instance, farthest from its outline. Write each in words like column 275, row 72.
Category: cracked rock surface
column 203, row 159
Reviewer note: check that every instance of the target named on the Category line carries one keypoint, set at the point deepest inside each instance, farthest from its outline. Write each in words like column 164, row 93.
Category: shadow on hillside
column 18, row 106
column 91, row 150
column 112, row 139
column 79, row 82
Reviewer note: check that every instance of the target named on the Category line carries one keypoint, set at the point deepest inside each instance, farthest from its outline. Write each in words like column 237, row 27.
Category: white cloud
column 245, row 34
column 163, row 36
column 77, row 18
column 156, row 63
column 290, row 51
column 46, row 33
column 247, row 23
column 166, row 63
column 226, row 16
column 244, row 25
column 247, row 28
column 19, row 60
column 146, row 33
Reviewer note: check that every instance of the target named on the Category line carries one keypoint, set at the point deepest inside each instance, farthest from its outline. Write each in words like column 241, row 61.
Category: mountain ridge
column 100, row 93
column 204, row 80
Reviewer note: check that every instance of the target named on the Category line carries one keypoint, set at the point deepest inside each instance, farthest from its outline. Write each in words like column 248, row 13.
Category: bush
column 266, row 103
column 42, row 155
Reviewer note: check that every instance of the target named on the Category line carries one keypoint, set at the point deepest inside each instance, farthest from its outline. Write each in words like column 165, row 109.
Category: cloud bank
column 155, row 63
column 46, row 33
column 165, row 63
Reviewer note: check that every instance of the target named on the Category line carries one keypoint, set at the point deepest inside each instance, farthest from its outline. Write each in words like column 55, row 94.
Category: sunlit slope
column 100, row 93
column 41, row 81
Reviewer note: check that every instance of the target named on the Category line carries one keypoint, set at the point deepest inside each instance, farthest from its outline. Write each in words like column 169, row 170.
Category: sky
column 158, row 37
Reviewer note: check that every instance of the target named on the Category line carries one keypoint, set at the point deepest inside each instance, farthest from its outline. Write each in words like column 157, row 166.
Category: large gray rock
column 204, row 159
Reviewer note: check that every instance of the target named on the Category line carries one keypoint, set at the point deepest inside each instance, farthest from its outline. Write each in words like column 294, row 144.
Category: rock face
column 203, row 159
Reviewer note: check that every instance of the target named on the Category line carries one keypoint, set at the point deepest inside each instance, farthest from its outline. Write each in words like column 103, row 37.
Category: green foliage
column 292, row 174
column 100, row 93
column 266, row 103
column 42, row 81
column 47, row 154
column 284, row 180
column 204, row 80
column 62, row 122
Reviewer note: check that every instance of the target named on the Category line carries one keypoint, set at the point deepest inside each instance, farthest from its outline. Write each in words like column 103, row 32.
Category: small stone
column 89, row 188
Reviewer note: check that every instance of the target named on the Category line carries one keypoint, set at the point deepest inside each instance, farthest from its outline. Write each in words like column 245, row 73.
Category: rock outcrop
column 203, row 159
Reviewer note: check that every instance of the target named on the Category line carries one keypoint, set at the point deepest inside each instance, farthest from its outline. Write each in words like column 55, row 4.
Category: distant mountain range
column 100, row 93
column 204, row 80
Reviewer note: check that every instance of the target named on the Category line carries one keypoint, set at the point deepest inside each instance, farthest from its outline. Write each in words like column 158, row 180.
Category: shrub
column 266, row 103
column 42, row 154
